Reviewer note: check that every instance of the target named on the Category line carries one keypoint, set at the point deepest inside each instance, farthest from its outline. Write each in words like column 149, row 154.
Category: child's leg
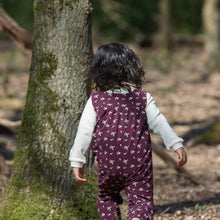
column 140, row 198
column 108, row 206
column 109, row 197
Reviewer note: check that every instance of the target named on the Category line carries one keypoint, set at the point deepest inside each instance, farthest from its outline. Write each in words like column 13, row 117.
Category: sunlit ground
column 187, row 93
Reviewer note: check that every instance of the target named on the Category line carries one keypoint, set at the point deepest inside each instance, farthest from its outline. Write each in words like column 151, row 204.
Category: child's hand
column 182, row 156
column 76, row 172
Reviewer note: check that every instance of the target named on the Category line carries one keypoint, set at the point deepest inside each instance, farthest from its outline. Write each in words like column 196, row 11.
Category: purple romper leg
column 121, row 142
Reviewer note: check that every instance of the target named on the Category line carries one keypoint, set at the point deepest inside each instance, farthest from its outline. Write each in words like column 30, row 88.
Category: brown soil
column 186, row 92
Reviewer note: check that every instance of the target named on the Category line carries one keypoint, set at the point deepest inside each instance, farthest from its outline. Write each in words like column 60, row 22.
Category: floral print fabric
column 121, row 143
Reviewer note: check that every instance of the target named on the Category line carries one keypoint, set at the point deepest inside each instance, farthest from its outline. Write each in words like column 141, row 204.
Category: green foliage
column 198, row 207
column 21, row 11
column 27, row 194
column 168, row 88
column 161, row 61
column 35, row 206
column 137, row 17
column 187, row 16
column 86, row 207
column 212, row 136
column 141, row 17
column 37, row 202
column 213, row 63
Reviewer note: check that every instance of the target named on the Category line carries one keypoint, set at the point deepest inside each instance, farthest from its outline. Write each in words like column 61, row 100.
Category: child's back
column 116, row 119
column 121, row 137
column 121, row 143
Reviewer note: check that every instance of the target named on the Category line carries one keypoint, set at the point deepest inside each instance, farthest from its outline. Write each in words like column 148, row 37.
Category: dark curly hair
column 116, row 66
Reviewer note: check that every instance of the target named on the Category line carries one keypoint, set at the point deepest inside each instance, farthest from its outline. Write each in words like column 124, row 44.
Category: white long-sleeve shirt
column 156, row 121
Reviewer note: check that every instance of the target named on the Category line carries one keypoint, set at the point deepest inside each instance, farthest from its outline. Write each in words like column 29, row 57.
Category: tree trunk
column 164, row 25
column 42, row 185
column 211, row 25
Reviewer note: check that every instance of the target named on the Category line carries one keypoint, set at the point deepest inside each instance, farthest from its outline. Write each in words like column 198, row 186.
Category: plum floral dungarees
column 121, row 143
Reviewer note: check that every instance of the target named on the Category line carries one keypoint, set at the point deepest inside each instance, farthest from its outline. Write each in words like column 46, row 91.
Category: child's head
column 116, row 66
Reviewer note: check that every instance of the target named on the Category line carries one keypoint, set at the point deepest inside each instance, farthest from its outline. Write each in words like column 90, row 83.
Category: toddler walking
column 116, row 120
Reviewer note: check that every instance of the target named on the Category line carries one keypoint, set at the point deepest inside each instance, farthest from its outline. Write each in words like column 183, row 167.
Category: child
column 116, row 120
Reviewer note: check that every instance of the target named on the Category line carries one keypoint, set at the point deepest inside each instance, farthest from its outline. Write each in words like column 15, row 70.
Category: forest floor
column 186, row 91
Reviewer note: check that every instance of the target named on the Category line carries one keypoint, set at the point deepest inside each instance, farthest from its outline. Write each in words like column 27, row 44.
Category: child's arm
column 83, row 138
column 77, row 172
column 158, row 123
column 182, row 156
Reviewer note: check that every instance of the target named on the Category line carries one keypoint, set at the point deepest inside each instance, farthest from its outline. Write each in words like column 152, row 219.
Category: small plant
column 197, row 207
column 161, row 61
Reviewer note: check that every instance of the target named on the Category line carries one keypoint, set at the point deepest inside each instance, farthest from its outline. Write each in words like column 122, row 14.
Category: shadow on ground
column 173, row 207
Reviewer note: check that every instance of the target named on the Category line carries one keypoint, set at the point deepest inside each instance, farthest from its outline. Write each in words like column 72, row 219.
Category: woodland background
column 184, row 79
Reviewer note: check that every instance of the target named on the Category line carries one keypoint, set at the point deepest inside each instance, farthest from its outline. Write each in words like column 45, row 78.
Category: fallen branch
column 172, row 163
column 19, row 35
column 9, row 127
column 12, row 127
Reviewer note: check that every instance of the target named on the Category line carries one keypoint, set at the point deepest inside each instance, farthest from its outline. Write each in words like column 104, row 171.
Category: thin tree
column 41, row 185
column 164, row 25
column 211, row 25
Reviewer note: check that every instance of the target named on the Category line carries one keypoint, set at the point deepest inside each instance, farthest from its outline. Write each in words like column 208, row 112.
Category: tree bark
column 42, row 185
column 211, row 25
column 19, row 35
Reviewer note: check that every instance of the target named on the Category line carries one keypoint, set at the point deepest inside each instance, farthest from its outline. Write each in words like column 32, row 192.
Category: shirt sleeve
column 83, row 137
column 158, row 123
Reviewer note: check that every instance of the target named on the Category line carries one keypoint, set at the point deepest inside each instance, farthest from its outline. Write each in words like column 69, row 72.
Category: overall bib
column 121, row 143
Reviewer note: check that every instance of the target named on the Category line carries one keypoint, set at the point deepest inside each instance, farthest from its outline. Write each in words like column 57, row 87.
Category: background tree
column 20, row 36
column 41, row 185
column 211, row 23
column 138, row 18
column 21, row 11
column 164, row 25
column 124, row 19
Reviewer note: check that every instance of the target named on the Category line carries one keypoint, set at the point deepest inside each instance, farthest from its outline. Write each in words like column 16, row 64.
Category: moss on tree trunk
column 41, row 185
